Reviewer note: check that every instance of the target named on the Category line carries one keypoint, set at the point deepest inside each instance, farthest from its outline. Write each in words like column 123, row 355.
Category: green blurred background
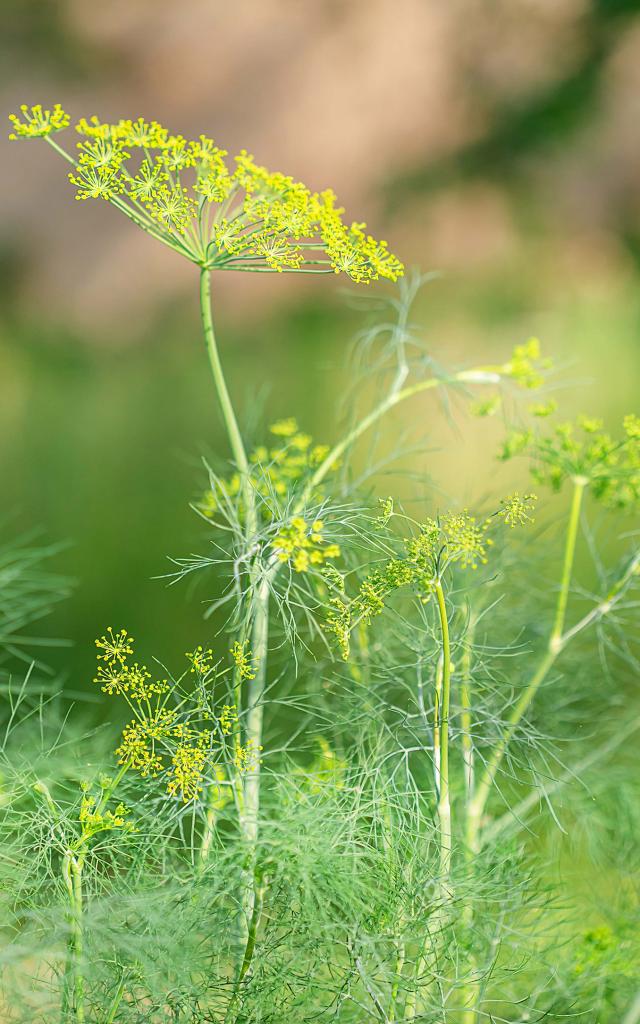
column 493, row 141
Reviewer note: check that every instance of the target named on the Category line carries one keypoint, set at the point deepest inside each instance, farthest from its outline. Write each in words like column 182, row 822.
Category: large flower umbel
column 221, row 214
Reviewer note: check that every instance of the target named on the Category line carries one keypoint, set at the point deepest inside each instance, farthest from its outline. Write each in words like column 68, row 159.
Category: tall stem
column 579, row 485
column 554, row 647
column 228, row 413
column 255, row 707
column 465, row 705
column 260, row 600
column 444, row 803
column 72, row 873
column 443, row 806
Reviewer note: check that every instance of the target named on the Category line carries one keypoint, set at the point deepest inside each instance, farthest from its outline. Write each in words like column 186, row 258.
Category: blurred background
column 494, row 142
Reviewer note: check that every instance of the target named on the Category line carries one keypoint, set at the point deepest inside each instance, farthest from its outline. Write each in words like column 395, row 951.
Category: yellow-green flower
column 221, row 214
column 38, row 123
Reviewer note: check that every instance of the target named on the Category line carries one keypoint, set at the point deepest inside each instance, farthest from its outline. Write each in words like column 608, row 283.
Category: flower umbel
column 583, row 450
column 221, row 214
column 37, row 123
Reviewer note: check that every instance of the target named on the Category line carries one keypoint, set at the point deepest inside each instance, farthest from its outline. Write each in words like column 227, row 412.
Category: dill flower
column 515, row 510
column 136, row 751
column 243, row 660
column 486, row 407
column 201, row 661
column 543, row 409
column 466, row 539
column 38, row 123
column 276, row 470
column 385, row 512
column 454, row 539
column 227, row 719
column 583, row 450
column 94, row 820
column 303, row 545
column 247, row 758
column 187, row 769
column 220, row 213
column 526, row 365
column 116, row 646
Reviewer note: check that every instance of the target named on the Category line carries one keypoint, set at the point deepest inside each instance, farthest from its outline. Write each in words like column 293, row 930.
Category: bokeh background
column 494, row 142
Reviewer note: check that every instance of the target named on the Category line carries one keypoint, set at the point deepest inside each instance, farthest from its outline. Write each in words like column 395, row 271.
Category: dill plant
column 378, row 865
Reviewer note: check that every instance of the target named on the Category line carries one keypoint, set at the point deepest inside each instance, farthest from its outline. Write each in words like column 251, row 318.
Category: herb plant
column 339, row 810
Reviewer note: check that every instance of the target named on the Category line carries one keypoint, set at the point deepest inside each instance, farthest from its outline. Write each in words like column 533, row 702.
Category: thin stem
column 255, row 706
column 579, row 485
column 249, row 950
column 228, row 413
column 470, row 992
column 465, row 704
column 395, row 988
column 437, row 702
column 444, row 804
column 117, row 999
column 209, row 826
column 554, row 647
column 479, row 375
column 72, row 874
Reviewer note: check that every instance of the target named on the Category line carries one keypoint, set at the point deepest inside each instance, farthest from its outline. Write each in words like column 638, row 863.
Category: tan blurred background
column 494, row 141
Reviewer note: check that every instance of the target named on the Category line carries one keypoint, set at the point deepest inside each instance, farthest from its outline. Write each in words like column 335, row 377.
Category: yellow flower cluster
column 228, row 718
column 584, row 450
column 515, row 510
column 226, row 216
column 526, row 365
column 243, row 661
column 276, row 470
column 116, row 646
column 188, row 765
column 93, row 820
column 465, row 539
column 116, row 676
column 161, row 739
column 201, row 661
column 37, row 123
column 303, row 546
column 247, row 757
column 456, row 538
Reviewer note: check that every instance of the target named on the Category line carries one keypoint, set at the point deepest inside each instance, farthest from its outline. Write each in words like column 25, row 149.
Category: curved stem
column 479, row 375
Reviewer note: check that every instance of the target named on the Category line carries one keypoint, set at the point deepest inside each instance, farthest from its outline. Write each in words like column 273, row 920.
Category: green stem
column 554, row 647
column 443, row 807
column 444, row 803
column 117, row 999
column 228, row 414
column 209, row 826
column 255, row 706
column 465, row 703
column 579, row 485
column 252, row 935
column 72, row 874
column 479, row 375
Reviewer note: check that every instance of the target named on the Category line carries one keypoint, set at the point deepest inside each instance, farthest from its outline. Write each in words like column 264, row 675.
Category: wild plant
column 335, row 819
